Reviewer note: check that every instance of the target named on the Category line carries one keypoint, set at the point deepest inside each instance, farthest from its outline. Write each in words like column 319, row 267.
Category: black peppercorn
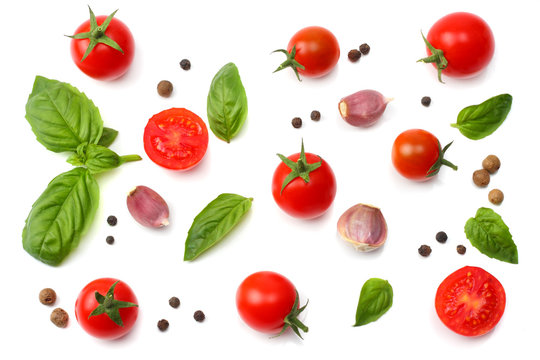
column 354, row 55
column 315, row 115
column 199, row 316
column 109, row 239
column 47, row 296
column 364, row 49
column 296, row 122
column 163, row 325
column 461, row 249
column 165, row 88
column 426, row 101
column 112, row 220
column 185, row 64
column 424, row 250
column 441, row 237
column 174, row 302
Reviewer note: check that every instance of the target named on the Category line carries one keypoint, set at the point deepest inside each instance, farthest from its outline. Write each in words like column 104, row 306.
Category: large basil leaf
column 489, row 234
column 60, row 216
column 97, row 158
column 375, row 300
column 61, row 116
column 214, row 222
column 108, row 137
column 478, row 121
column 227, row 103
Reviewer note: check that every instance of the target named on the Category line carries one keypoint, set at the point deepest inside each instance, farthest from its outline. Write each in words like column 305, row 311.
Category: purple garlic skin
column 364, row 227
column 363, row 108
column 147, row 207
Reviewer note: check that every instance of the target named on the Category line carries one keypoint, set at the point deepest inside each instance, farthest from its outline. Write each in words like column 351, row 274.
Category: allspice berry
column 496, row 196
column 481, row 177
column 59, row 317
column 491, row 163
column 47, row 296
column 165, row 88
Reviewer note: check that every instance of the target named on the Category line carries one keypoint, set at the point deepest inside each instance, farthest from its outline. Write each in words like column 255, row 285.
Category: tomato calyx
column 290, row 61
column 437, row 57
column 97, row 35
column 434, row 170
column 109, row 305
column 301, row 168
column 291, row 320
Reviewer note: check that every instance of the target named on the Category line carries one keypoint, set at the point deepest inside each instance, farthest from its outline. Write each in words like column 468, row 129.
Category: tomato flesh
column 176, row 139
column 470, row 301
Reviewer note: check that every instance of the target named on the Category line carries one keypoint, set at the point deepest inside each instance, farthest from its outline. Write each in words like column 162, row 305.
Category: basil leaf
column 108, row 137
column 478, row 121
column 97, row 158
column 60, row 216
column 62, row 117
column 489, row 234
column 375, row 300
column 226, row 103
column 214, row 222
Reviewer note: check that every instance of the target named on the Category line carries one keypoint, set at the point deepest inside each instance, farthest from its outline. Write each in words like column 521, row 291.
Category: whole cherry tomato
column 304, row 185
column 460, row 45
column 106, row 308
column 103, row 47
column 313, row 52
column 417, row 155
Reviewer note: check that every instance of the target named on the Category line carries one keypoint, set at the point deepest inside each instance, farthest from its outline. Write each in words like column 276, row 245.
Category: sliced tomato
column 176, row 139
column 470, row 301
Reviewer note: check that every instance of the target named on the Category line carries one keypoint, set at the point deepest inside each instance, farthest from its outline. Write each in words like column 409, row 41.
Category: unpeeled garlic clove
column 363, row 108
column 147, row 207
column 363, row 226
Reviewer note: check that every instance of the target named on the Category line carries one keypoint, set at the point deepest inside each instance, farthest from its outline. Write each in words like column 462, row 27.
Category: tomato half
column 123, row 304
column 103, row 62
column 417, row 155
column 176, row 139
column 466, row 42
column 470, row 301
column 301, row 199
column 268, row 302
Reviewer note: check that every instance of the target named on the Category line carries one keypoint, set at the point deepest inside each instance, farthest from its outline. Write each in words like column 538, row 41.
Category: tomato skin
column 305, row 200
column 104, row 62
column 414, row 152
column 317, row 49
column 467, row 43
column 264, row 299
column 101, row 326
column 176, row 139
column 470, row 301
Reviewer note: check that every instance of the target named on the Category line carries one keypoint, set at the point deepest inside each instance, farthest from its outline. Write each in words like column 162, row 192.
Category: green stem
column 128, row 158
column 449, row 164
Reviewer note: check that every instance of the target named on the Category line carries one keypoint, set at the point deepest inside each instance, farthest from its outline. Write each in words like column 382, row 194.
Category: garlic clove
column 147, row 207
column 364, row 227
column 363, row 108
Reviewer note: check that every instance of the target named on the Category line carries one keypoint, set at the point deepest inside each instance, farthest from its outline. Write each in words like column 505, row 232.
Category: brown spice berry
column 164, row 88
column 426, row 101
column 296, row 122
column 163, row 325
column 496, row 196
column 59, row 317
column 424, row 250
column 461, row 249
column 315, row 115
column 185, row 64
column 112, row 220
column 481, row 177
column 47, row 296
column 199, row 316
column 109, row 239
column 354, row 55
column 174, row 302
column 491, row 163
column 364, row 49
column 441, row 237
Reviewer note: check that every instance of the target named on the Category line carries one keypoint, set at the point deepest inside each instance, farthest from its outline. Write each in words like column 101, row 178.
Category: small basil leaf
column 100, row 159
column 62, row 117
column 375, row 300
column 108, row 137
column 60, row 216
column 227, row 103
column 478, row 121
column 489, row 234
column 214, row 222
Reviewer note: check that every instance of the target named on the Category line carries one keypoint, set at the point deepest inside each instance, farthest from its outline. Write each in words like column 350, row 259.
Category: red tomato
column 301, row 199
column 417, row 155
column 176, row 139
column 268, row 302
column 466, row 42
column 316, row 52
column 122, row 304
column 104, row 62
column 470, row 301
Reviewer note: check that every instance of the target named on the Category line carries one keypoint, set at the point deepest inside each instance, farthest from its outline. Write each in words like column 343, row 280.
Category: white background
column 324, row 269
